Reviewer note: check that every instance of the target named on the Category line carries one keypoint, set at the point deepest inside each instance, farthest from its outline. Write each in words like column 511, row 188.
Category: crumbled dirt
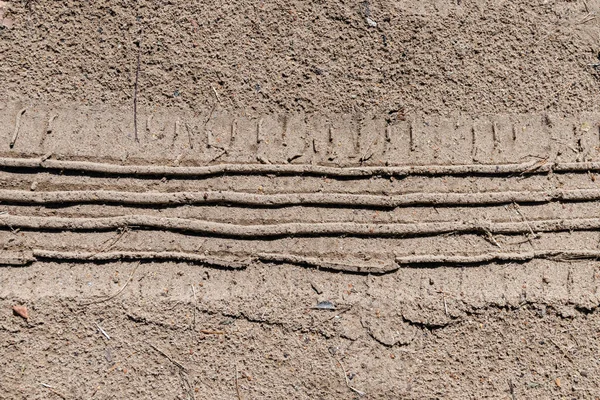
column 346, row 106
column 431, row 57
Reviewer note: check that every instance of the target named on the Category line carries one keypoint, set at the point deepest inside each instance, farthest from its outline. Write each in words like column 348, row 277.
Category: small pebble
column 371, row 23
column 34, row 186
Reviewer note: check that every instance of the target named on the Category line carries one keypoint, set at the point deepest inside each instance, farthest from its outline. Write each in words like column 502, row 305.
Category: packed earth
column 299, row 200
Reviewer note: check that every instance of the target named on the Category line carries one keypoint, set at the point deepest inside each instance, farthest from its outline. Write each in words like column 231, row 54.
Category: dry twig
column 358, row 392
column 17, row 126
column 135, row 92
column 116, row 294
column 177, row 364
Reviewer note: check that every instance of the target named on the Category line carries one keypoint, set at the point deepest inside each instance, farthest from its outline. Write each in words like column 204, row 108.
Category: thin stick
column 445, row 303
column 189, row 134
column 186, row 384
column 195, row 305
column 221, row 154
column 511, row 386
column 116, row 294
column 411, row 137
column 358, row 392
column 216, row 95
column 259, row 137
column 17, row 126
column 135, row 92
column 491, row 238
column 49, row 128
column 59, row 394
column 561, row 349
column 168, row 357
column 518, row 210
column 233, row 133
column 176, row 131
column 114, row 240
column 102, row 331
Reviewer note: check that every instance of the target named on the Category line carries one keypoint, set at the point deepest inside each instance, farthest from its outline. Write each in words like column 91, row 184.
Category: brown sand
column 317, row 207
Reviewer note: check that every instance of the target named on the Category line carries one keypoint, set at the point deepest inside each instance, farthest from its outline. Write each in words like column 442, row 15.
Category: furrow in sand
column 293, row 199
column 210, row 228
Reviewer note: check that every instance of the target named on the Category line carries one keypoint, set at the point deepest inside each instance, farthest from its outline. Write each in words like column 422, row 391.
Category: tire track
column 25, row 258
column 137, row 256
column 433, row 259
column 297, row 169
column 383, row 267
column 296, row 228
column 294, row 199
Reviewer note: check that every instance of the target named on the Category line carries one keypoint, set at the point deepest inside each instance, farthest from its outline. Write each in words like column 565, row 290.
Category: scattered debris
column 370, row 22
column 324, row 305
column 21, row 311
column 557, row 382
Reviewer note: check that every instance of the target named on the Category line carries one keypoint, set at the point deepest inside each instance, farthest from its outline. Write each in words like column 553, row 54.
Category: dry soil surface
column 299, row 200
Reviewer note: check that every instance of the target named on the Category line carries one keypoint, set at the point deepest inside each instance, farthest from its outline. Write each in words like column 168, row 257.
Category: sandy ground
column 326, row 200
